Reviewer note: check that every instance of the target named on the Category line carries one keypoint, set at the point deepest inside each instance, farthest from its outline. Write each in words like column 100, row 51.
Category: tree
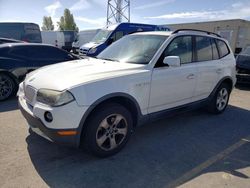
column 67, row 21
column 47, row 24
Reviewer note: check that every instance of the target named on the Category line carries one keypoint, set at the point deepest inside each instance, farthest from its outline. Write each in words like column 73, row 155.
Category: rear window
column 223, row 49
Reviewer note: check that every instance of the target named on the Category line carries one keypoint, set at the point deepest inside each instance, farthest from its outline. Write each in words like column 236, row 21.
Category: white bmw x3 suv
column 98, row 102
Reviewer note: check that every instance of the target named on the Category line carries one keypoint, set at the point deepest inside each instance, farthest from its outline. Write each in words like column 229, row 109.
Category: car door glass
column 20, row 51
column 203, row 48
column 117, row 35
column 215, row 50
column 180, row 46
column 47, row 53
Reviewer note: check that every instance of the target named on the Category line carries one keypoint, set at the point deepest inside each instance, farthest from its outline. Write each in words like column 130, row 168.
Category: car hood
column 70, row 74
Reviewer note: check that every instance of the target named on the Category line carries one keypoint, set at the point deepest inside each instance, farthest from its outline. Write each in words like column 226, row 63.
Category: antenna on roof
column 118, row 11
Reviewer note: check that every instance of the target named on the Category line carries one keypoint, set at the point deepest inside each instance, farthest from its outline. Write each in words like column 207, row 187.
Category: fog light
column 48, row 116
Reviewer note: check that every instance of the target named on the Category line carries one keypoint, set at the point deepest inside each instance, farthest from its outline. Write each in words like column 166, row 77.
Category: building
column 236, row 31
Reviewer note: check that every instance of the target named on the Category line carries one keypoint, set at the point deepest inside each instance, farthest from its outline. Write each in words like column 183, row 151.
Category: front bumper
column 55, row 135
column 51, row 134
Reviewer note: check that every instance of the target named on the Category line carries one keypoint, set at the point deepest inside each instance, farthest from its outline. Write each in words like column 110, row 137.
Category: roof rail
column 208, row 32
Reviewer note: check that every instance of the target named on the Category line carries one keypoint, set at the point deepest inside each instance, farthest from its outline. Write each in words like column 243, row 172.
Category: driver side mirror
column 172, row 61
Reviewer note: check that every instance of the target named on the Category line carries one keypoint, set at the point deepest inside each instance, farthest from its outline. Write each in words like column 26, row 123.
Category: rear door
column 208, row 66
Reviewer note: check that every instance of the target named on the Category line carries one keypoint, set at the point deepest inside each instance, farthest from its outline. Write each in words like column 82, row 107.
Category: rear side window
column 223, row 49
column 203, row 48
column 19, row 51
column 215, row 50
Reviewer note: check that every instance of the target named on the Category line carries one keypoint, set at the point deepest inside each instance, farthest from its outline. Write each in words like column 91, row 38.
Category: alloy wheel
column 111, row 132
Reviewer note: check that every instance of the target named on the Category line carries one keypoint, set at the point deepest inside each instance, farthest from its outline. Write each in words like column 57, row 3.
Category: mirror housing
column 172, row 61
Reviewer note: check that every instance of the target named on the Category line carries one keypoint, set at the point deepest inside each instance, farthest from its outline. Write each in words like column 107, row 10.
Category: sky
column 91, row 14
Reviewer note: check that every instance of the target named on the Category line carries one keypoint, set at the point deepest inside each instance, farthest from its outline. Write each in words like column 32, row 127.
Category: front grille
column 29, row 93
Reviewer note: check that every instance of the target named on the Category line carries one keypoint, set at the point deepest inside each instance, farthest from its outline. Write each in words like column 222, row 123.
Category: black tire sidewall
column 93, row 124
column 13, row 84
column 214, row 108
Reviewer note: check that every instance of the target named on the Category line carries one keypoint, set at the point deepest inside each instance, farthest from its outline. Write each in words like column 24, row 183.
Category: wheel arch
column 14, row 78
column 123, row 99
column 228, row 80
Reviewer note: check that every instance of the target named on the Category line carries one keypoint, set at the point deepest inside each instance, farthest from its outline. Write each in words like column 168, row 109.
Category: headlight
column 92, row 50
column 54, row 98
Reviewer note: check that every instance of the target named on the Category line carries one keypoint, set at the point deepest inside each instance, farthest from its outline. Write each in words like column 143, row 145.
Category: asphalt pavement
column 193, row 149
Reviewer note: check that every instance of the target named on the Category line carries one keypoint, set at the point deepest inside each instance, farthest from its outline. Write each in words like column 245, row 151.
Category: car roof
column 168, row 33
column 164, row 33
column 24, row 44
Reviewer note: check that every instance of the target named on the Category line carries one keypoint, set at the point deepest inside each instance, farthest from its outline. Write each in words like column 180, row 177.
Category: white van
column 83, row 37
column 55, row 38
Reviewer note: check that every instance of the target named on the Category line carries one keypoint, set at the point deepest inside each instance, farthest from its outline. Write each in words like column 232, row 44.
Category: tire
column 108, row 130
column 7, row 86
column 220, row 99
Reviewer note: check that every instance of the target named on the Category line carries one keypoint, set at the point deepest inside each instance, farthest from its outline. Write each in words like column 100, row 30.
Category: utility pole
column 118, row 11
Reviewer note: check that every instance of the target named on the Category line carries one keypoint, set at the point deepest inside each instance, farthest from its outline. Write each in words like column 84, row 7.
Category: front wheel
column 220, row 99
column 108, row 130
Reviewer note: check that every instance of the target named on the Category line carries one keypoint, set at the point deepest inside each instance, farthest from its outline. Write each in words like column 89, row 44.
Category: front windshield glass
column 138, row 49
column 101, row 36
column 246, row 51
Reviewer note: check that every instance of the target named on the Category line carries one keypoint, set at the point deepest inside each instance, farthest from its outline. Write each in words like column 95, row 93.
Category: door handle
column 219, row 71
column 190, row 76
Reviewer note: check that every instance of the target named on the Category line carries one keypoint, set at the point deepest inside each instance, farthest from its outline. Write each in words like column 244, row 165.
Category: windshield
column 246, row 51
column 101, row 36
column 138, row 49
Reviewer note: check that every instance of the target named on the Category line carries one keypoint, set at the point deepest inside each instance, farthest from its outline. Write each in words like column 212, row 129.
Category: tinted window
column 223, row 49
column 215, row 50
column 203, row 49
column 20, row 51
column 14, row 31
column 182, row 47
column 47, row 52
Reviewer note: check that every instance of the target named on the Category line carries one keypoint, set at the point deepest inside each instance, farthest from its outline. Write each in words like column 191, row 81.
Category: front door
column 174, row 86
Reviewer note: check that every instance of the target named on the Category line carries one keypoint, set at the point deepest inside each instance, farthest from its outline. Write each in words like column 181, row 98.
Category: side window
column 117, row 35
column 215, row 50
column 203, row 48
column 223, row 49
column 182, row 47
column 21, row 51
column 47, row 52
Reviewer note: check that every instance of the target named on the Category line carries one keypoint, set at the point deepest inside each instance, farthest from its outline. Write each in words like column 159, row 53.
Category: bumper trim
column 51, row 134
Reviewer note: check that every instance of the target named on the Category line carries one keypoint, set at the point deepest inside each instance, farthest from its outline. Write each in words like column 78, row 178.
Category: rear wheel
column 7, row 86
column 220, row 99
column 108, row 130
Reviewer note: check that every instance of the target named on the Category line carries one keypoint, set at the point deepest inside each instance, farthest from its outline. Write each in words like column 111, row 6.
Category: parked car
column 106, row 36
column 27, row 32
column 243, row 66
column 7, row 40
column 17, row 59
column 97, row 102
